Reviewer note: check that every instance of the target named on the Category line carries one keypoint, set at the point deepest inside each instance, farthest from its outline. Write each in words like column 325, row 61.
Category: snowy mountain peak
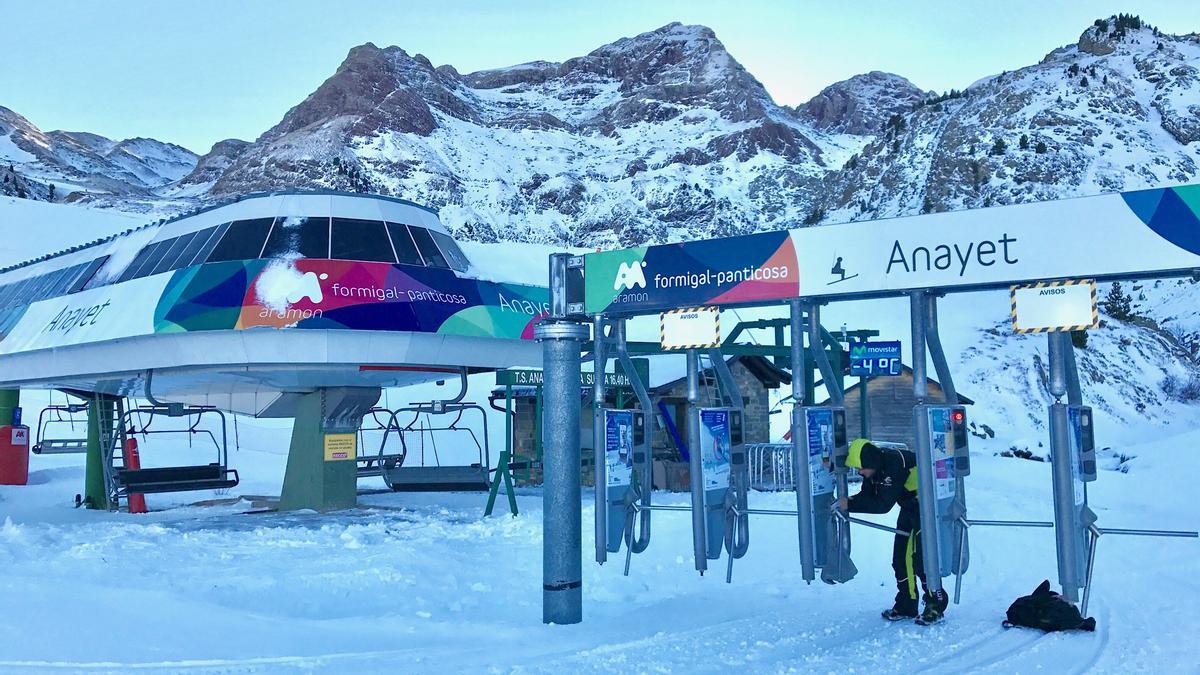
column 862, row 104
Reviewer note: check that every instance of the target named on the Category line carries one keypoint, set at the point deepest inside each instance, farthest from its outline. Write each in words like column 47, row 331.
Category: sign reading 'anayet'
column 1148, row 232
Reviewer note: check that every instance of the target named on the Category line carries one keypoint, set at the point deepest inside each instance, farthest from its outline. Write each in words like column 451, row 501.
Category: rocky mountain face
column 80, row 162
column 665, row 135
column 1118, row 110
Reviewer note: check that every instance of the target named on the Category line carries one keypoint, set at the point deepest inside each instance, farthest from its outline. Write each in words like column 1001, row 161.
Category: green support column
column 322, row 473
column 100, row 414
column 10, row 399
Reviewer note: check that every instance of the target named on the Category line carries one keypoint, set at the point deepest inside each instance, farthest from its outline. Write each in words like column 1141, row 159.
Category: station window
column 188, row 253
column 156, row 255
column 355, row 239
column 402, row 243
column 207, row 248
column 88, row 272
column 167, row 262
column 451, row 252
column 429, row 250
column 136, row 263
column 242, row 241
column 294, row 235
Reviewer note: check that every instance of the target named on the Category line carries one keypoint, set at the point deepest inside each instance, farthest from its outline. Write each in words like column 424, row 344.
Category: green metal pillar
column 322, row 473
column 10, row 399
column 101, row 410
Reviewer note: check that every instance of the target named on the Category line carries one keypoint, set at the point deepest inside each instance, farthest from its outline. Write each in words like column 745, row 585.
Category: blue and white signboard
column 714, row 447
column 819, row 426
column 618, row 446
column 875, row 358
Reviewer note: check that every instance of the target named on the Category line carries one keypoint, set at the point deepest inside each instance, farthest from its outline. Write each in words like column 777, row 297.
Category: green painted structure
column 321, row 472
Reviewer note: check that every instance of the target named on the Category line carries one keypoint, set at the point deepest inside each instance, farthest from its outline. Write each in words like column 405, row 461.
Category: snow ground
column 424, row 583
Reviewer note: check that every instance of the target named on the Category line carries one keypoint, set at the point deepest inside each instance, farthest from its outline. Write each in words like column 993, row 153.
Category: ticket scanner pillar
column 1072, row 466
column 942, row 451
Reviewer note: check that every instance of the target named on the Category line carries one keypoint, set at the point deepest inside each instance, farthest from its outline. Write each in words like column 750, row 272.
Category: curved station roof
column 246, row 304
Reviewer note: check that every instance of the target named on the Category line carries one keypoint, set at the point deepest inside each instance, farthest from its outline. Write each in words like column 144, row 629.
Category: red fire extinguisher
column 137, row 502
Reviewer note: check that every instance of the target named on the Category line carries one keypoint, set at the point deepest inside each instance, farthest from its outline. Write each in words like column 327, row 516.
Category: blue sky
column 195, row 73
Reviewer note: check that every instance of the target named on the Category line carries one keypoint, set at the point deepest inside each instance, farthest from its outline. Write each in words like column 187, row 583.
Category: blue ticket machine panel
column 624, row 438
column 823, row 425
column 1083, row 470
column 951, row 460
column 721, row 438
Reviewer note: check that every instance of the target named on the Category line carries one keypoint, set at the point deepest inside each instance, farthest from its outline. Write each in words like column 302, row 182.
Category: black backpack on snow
column 1048, row 611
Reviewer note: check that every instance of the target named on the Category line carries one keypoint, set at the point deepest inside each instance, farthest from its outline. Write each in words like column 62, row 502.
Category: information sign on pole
column 875, row 358
column 698, row 328
column 1054, row 306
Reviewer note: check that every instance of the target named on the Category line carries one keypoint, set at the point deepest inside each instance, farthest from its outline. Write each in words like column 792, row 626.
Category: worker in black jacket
column 890, row 478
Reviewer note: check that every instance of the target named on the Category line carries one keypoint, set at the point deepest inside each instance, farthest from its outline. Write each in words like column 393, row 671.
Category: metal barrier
column 770, row 467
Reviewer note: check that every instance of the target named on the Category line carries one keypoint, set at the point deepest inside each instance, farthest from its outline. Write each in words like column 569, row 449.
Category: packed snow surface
column 424, row 583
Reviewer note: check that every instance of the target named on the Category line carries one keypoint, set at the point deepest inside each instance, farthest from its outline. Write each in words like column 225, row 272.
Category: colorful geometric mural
column 339, row 294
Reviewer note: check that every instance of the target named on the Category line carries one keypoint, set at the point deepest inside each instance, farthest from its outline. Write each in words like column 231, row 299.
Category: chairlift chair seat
column 472, row 478
column 177, row 479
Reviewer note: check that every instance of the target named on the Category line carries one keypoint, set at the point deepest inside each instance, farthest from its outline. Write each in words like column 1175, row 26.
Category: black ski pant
column 906, row 558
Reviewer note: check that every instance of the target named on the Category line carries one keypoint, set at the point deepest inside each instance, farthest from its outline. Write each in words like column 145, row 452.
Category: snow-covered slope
column 85, row 162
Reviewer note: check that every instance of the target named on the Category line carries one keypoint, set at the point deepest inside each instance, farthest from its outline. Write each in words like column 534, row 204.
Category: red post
column 137, row 502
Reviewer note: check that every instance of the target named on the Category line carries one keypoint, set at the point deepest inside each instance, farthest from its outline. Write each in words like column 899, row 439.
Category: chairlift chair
column 405, row 477
column 213, row 476
column 374, row 464
column 53, row 415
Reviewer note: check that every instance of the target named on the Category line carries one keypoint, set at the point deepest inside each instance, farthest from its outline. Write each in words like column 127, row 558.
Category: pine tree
column 52, row 192
column 1117, row 304
column 999, row 147
column 1040, row 148
column 1079, row 339
column 1024, row 142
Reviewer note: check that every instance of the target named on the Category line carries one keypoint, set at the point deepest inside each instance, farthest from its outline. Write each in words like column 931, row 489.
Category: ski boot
column 935, row 608
column 894, row 615
column 900, row 611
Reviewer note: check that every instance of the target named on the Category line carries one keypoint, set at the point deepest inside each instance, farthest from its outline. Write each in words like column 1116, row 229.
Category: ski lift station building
column 253, row 305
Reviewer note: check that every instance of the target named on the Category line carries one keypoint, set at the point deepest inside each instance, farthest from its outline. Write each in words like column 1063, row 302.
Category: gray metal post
column 1074, row 393
column 930, row 557
column 646, row 467
column 833, row 381
column 934, row 339
column 562, row 546
column 800, row 466
column 600, row 361
column 696, row 466
column 1060, row 465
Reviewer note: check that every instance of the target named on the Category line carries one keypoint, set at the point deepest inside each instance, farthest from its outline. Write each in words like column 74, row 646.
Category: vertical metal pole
column 864, row 407
column 562, row 547
column 600, row 364
column 699, row 524
column 926, row 488
column 1074, row 393
column 562, row 543
column 800, row 466
column 1065, row 522
column 934, row 339
column 833, row 381
column 1093, row 539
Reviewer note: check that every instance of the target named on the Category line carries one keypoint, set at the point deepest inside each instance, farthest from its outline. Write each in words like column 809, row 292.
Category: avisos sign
column 1131, row 234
